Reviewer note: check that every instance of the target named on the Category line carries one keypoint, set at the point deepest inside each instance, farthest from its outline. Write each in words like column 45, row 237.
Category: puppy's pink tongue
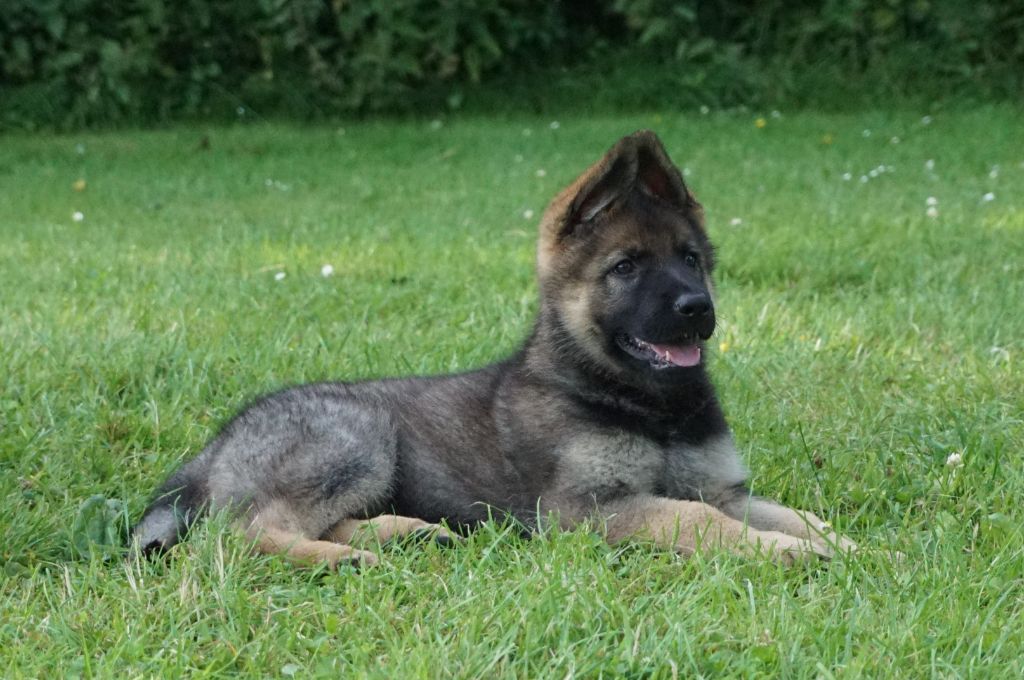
column 680, row 355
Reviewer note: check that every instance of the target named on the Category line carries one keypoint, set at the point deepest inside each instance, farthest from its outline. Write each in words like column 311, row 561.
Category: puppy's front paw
column 348, row 556
column 787, row 549
column 438, row 534
column 836, row 544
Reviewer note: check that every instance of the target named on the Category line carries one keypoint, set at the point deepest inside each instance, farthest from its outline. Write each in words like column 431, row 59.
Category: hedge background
column 72, row 63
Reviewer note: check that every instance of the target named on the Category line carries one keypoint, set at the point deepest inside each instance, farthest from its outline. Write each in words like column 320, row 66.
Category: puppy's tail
column 181, row 501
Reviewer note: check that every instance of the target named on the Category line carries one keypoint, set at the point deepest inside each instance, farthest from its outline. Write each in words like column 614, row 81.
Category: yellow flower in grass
column 760, row 123
column 78, row 185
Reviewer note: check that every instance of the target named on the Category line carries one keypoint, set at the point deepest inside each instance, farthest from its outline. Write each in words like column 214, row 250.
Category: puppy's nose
column 693, row 304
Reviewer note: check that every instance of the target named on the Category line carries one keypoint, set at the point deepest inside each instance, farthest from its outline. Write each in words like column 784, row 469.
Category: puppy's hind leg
column 313, row 459
column 271, row 539
column 384, row 528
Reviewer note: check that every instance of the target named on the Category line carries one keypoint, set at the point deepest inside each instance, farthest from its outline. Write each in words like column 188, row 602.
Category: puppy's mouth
column 661, row 356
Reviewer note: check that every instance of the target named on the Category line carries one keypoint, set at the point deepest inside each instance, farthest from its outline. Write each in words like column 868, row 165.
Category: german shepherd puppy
column 606, row 415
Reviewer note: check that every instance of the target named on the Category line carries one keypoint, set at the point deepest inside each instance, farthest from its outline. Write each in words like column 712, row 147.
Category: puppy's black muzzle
column 693, row 305
column 693, row 317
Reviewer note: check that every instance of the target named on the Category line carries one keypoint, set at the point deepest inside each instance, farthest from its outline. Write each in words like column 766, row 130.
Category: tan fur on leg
column 298, row 548
column 768, row 516
column 382, row 528
column 687, row 526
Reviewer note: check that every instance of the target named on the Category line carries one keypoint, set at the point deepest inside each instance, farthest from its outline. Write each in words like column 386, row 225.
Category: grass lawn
column 864, row 348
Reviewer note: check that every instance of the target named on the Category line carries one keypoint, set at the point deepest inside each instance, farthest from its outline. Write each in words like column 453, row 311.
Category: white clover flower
column 873, row 173
column 518, row 158
column 541, row 172
column 527, row 132
column 931, row 200
column 77, row 216
column 436, row 124
column 989, row 197
column 326, row 270
column 704, row 110
column 279, row 276
column 863, row 179
column 555, row 125
column 847, row 176
column 736, row 221
column 954, row 460
column 894, row 140
column 527, row 214
column 929, row 164
column 926, row 120
column 776, row 114
column 994, row 172
column 866, row 133
column 932, row 212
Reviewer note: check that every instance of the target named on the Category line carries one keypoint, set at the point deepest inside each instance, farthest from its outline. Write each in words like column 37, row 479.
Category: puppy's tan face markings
column 588, row 285
column 618, row 249
column 650, row 239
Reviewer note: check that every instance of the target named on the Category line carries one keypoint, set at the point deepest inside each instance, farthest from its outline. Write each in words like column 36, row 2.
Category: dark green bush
column 86, row 61
column 778, row 48
column 82, row 62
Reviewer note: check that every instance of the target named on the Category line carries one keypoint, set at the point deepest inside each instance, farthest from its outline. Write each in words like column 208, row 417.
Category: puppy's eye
column 691, row 260
column 624, row 268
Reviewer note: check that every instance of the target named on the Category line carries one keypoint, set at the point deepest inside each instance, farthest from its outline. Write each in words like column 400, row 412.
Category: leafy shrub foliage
column 76, row 62
column 81, row 61
column 900, row 45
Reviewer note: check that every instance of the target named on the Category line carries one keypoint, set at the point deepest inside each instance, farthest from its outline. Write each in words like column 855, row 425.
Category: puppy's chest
column 605, row 466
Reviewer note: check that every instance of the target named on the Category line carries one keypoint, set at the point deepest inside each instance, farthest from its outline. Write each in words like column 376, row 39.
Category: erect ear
column 605, row 183
column 657, row 175
column 639, row 162
column 592, row 193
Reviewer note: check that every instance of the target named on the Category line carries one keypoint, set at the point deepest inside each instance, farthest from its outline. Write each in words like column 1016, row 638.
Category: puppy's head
column 625, row 265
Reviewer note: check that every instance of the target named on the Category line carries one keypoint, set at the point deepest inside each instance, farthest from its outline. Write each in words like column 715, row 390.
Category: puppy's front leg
column 686, row 526
column 766, row 515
